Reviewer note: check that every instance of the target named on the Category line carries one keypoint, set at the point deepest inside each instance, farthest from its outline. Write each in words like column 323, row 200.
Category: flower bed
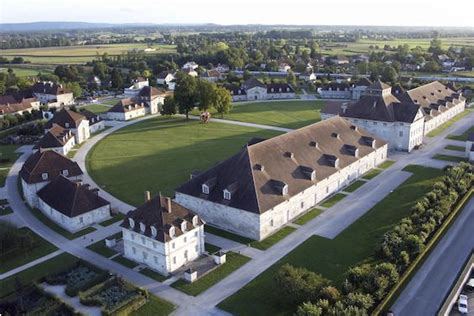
column 78, row 278
column 115, row 297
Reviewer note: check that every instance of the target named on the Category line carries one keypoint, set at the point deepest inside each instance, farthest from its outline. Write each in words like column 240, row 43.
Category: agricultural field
column 80, row 54
column 26, row 72
column 160, row 153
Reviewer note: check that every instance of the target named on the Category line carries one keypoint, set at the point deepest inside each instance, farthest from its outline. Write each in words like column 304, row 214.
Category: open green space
column 5, row 211
column 449, row 158
column 448, row 123
column 332, row 257
column 95, row 108
column 272, row 239
column 455, row 148
column 7, row 158
column 305, row 218
column 81, row 54
column 463, row 136
column 125, row 262
column 233, row 262
column 228, row 235
column 288, row 114
column 37, row 272
column 17, row 257
column 100, row 248
column 354, row 186
column 25, row 72
column 153, row 274
column 211, row 248
column 371, row 174
column 155, row 306
column 159, row 154
column 333, row 200
column 55, row 227
column 116, row 218
column 111, row 101
column 386, row 164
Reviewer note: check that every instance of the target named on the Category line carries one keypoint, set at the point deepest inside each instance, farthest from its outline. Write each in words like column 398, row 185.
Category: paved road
column 430, row 285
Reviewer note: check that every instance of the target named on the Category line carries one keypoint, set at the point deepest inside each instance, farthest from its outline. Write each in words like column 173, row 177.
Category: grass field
column 7, row 152
column 25, row 72
column 308, row 216
column 289, row 114
column 233, row 262
column 272, row 239
column 332, row 257
column 228, row 235
column 155, row 306
column 159, row 154
column 96, row 108
column 463, row 136
column 211, row 248
column 455, row 148
column 333, row 200
column 153, row 275
column 449, row 158
column 80, row 54
column 42, row 248
column 125, row 262
column 371, row 174
column 354, row 186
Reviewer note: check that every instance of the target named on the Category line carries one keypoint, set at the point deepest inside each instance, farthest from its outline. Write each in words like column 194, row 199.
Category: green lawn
column 289, row 114
column 463, row 136
column 96, row 108
column 211, row 248
column 100, row 248
column 7, row 152
column 155, row 306
column 354, row 186
column 53, row 226
column 272, row 239
column 308, row 216
column 332, row 257
column 35, row 273
column 5, row 211
column 42, row 248
column 372, row 174
column 333, row 200
column 160, row 153
column 116, row 218
column 386, row 164
column 125, row 262
column 449, row 158
column 25, row 72
column 448, row 123
column 228, row 235
column 455, row 148
column 233, row 262
column 153, row 275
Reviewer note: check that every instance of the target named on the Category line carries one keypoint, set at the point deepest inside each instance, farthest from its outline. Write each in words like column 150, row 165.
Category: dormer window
column 66, row 125
column 65, row 172
column 142, row 227
column 184, row 226
column 205, row 189
column 154, row 232
column 284, row 190
column 195, row 220
column 44, row 176
column 172, row 232
column 131, row 222
column 227, row 195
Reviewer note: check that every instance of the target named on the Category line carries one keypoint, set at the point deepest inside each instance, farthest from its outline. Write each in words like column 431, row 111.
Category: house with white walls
column 73, row 121
column 135, row 88
column 50, row 93
column 269, row 183
column 42, row 167
column 57, row 138
column 162, row 234
column 126, row 109
column 96, row 123
column 152, row 98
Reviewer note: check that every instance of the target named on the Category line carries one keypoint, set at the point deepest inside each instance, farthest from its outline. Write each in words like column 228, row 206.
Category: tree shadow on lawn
column 126, row 166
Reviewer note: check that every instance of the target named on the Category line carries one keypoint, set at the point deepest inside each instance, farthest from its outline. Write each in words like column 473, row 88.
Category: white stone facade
column 57, row 100
column 74, row 224
column 154, row 105
column 128, row 115
column 444, row 116
column 257, row 93
column 81, row 132
column 164, row 257
column 96, row 127
column 470, row 150
column 335, row 94
column 260, row 226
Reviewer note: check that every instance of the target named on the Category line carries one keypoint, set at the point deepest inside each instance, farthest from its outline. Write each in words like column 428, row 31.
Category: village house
column 211, row 75
column 470, row 147
column 284, row 67
column 336, row 90
column 126, row 109
column 359, row 87
column 136, row 87
column 72, row 205
column 42, row 167
column 162, row 234
column 308, row 76
column 254, row 89
column 190, row 72
column 57, row 138
column 75, row 122
column 9, row 105
column 96, row 123
column 190, row 65
column 153, row 99
column 164, row 78
column 270, row 182
column 222, row 68
column 52, row 94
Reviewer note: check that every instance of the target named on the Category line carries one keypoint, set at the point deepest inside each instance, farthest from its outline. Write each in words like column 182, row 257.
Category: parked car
column 470, row 284
column 462, row 304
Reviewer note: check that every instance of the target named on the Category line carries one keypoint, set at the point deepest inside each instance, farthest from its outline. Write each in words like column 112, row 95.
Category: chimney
column 168, row 204
column 147, row 196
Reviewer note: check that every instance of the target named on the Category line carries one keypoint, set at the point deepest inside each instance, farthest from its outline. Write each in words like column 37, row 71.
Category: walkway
column 30, row 264
column 427, row 290
column 74, row 302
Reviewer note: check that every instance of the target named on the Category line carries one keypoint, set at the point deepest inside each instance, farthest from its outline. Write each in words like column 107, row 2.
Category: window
column 400, row 133
column 186, row 254
column 184, row 226
column 196, row 247
column 134, row 250
column 143, row 241
column 172, row 231
column 205, row 189
column 174, row 260
column 65, row 172
column 195, row 234
column 154, row 244
column 173, row 245
column 44, row 176
column 195, row 220
column 145, row 255
column 302, row 205
column 271, row 223
column 327, row 189
column 185, row 239
column 131, row 222
column 227, row 195
column 66, row 125
column 142, row 227
column 154, row 232
column 155, row 258
column 81, row 220
column 133, row 236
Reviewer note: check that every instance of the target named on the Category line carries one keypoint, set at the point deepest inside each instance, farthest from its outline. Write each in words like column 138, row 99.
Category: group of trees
column 191, row 92
column 11, row 120
column 367, row 284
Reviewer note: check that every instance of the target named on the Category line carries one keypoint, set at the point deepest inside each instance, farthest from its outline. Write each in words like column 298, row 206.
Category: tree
column 186, row 94
column 75, row 88
column 389, row 74
column 117, row 79
column 206, row 95
column 100, row 69
column 291, row 78
column 308, row 309
column 169, row 106
column 223, row 103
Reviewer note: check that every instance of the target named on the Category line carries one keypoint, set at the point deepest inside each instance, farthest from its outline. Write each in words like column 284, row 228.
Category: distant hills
column 45, row 26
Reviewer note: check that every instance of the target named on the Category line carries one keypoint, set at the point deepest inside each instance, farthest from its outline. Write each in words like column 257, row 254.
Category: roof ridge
column 254, row 189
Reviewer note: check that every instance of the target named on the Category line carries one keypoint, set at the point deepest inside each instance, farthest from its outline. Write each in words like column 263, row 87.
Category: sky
column 299, row 12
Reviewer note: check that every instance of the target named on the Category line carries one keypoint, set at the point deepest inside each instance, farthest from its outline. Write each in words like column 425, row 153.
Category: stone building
column 253, row 90
column 470, row 147
column 270, row 182
column 153, row 99
column 126, row 109
column 10, row 105
column 51, row 93
column 57, row 138
column 162, row 234
column 42, row 167
column 136, row 87
column 96, row 123
column 75, row 122
column 72, row 205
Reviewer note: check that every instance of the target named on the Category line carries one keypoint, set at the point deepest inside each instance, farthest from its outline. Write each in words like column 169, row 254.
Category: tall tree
column 117, row 79
column 223, row 102
column 186, row 94
column 169, row 106
column 206, row 95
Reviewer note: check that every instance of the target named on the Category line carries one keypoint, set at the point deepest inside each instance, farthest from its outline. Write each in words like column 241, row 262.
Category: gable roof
column 125, row 105
column 164, row 74
column 57, row 136
column 71, row 198
column 363, row 82
column 275, row 88
column 378, row 85
column 150, row 92
column 66, row 119
column 252, row 83
column 48, row 87
column 257, row 173
column 161, row 213
column 91, row 117
column 49, row 162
